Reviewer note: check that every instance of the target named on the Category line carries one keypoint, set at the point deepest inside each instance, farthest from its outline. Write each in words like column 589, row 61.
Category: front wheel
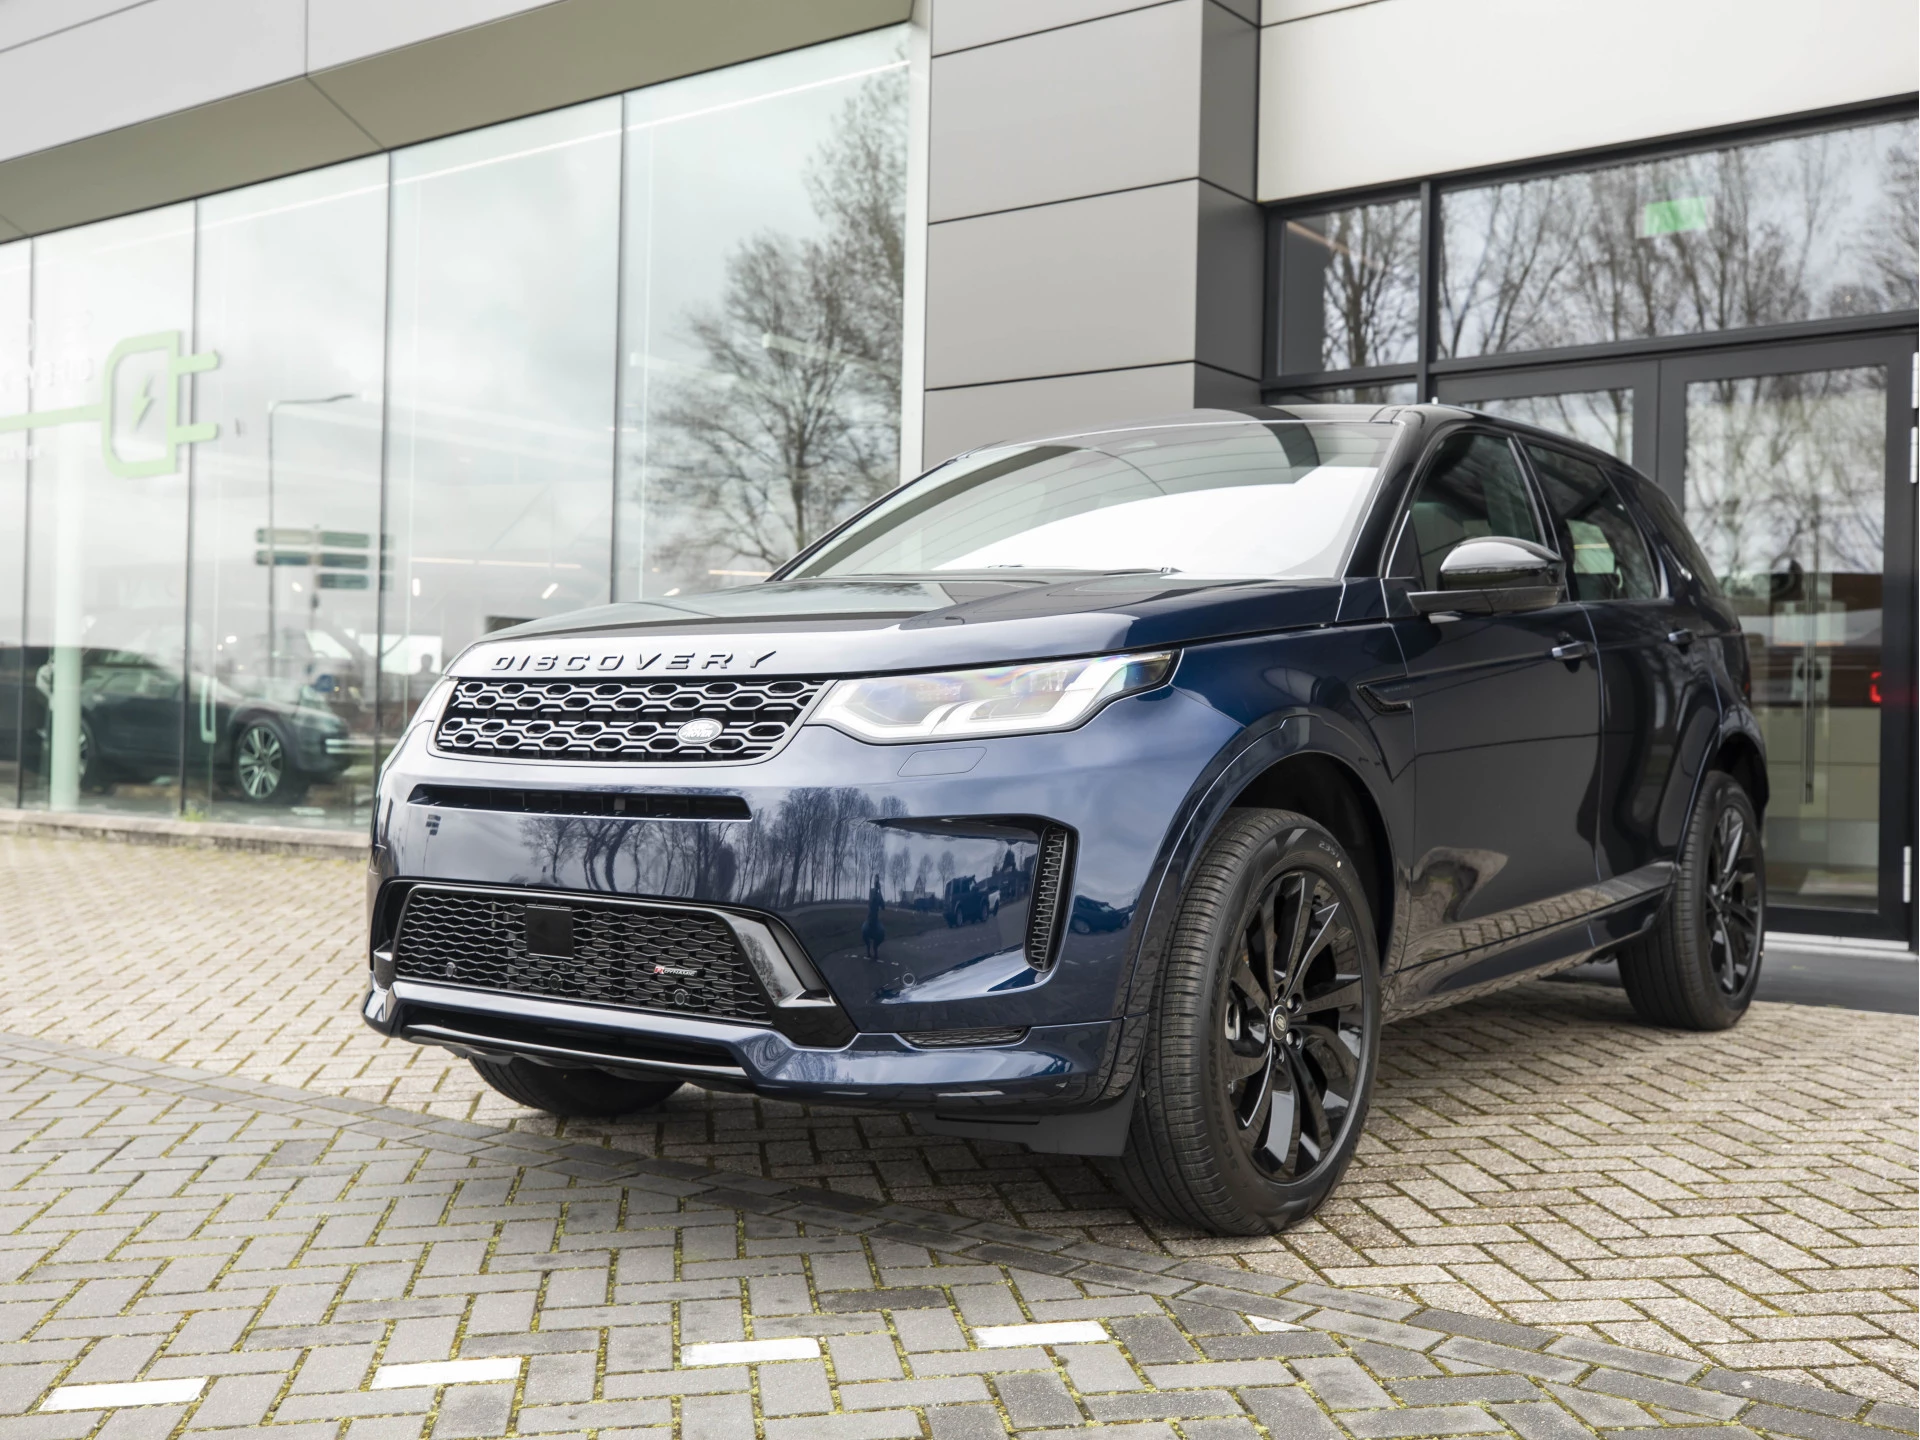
column 1698, row 967
column 1266, row 1020
column 262, row 768
column 583, row 1094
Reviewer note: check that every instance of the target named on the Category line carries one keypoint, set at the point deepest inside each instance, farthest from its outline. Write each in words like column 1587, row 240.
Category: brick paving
column 274, row 1262
column 1538, row 1160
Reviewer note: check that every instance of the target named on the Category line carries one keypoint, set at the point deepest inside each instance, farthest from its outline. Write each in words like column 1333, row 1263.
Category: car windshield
column 1269, row 498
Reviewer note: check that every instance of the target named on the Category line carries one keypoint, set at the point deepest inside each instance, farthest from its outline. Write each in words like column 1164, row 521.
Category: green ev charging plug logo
column 109, row 408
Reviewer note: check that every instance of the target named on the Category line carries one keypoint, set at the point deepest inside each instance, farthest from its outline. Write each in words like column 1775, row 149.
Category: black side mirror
column 1494, row 575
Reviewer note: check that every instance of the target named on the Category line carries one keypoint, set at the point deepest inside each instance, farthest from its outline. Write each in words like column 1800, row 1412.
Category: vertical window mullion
column 1429, row 268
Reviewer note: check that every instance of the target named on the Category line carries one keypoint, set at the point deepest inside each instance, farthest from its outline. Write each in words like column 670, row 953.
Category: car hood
column 876, row 624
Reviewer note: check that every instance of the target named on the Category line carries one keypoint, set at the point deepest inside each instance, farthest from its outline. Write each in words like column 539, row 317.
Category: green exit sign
column 1675, row 217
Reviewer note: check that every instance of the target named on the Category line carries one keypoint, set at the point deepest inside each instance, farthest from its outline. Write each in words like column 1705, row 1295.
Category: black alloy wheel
column 260, row 767
column 1256, row 1073
column 1698, row 967
column 93, row 778
column 1293, row 1025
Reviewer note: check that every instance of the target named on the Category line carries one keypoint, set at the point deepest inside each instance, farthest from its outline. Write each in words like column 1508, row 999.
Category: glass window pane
column 287, row 498
column 1472, row 488
column 16, row 276
column 1610, row 560
column 1600, row 418
column 112, row 309
column 1801, row 228
column 1350, row 288
column 1786, row 491
column 763, row 276
column 501, row 353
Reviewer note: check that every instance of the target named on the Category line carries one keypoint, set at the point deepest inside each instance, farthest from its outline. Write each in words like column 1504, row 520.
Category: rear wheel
column 1698, row 967
column 585, row 1094
column 1266, row 1019
column 262, row 768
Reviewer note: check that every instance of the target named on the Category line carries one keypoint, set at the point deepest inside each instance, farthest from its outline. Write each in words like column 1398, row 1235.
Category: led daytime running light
column 1005, row 700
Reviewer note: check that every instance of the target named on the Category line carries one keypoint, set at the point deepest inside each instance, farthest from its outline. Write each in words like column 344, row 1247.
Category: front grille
column 1049, row 889
column 645, row 720
column 956, row 1039
column 595, row 952
column 642, row 805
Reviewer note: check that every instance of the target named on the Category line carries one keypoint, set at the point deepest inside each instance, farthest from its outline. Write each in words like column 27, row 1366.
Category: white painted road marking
column 1059, row 1332
column 749, row 1352
column 131, row 1392
column 447, row 1372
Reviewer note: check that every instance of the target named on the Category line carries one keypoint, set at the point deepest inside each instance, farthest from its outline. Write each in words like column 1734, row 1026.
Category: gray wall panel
column 134, row 65
column 1230, row 277
column 342, row 30
column 959, row 24
column 1092, row 108
column 1085, row 285
column 1229, row 99
column 1022, row 409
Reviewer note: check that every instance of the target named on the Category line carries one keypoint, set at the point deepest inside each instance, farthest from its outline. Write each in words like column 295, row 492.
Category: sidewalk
column 1743, row 1200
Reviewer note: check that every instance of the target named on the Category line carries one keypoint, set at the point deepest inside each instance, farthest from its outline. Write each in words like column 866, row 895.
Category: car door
column 1659, row 710
column 1506, row 711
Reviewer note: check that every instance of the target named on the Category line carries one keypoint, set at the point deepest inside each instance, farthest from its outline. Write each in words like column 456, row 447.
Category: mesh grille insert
column 955, row 1039
column 1049, row 891
column 594, row 952
column 648, row 720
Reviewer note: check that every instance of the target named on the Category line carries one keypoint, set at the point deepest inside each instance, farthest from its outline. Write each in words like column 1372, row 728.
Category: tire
column 263, row 770
column 584, row 1094
column 94, row 779
column 1246, row 1117
column 1697, row 968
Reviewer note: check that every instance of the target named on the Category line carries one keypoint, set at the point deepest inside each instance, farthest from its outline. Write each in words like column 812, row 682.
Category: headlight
column 1007, row 700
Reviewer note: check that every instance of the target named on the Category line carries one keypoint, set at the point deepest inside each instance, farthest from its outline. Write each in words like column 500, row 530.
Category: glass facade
column 1802, row 228
column 268, row 460
column 1736, row 320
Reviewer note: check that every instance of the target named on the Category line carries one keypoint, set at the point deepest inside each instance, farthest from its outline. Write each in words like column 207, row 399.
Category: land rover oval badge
column 698, row 732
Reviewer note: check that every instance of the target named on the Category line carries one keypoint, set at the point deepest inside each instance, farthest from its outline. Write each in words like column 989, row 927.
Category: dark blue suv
column 1105, row 794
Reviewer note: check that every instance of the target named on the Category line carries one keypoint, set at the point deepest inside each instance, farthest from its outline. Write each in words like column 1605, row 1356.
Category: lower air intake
column 958, row 1039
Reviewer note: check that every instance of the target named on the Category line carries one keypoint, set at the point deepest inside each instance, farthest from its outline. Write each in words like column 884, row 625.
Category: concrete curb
column 193, row 834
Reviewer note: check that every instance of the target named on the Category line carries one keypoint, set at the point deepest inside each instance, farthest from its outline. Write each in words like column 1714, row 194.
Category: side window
column 1472, row 487
column 1673, row 529
column 1610, row 556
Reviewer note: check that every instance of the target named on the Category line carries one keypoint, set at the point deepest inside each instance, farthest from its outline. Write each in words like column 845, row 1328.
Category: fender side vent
column 957, row 1039
column 1049, row 896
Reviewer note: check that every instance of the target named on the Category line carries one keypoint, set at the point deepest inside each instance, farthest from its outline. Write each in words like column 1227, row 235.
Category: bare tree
column 797, row 418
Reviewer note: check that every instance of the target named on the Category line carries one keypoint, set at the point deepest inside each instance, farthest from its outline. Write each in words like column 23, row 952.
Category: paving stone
column 875, row 1425
column 966, row 1422
column 1036, row 1400
column 1152, row 1405
column 1542, row 1421
column 1465, row 1389
column 1290, row 1413
column 1445, row 1420
column 1099, row 1367
column 1777, row 1421
column 1342, row 1384
column 1646, row 1390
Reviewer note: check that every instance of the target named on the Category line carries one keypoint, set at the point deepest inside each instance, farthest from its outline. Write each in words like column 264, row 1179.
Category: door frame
column 1893, row 916
column 1659, row 448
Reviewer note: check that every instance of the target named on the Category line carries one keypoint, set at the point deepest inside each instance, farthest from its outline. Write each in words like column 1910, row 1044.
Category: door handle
column 1682, row 638
column 1572, row 650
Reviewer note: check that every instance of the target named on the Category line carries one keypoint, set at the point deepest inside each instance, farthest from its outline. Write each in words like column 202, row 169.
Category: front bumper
column 1056, row 1066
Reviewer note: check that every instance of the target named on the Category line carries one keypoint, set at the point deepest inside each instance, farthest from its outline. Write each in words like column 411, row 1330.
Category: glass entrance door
column 1792, row 465
column 1792, row 469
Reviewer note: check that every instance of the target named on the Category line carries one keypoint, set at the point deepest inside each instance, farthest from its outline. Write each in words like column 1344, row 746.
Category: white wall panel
column 133, row 65
column 1403, row 88
column 1027, row 409
column 25, row 20
column 959, row 24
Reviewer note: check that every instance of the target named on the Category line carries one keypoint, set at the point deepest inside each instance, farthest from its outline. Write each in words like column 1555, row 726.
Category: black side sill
column 619, row 805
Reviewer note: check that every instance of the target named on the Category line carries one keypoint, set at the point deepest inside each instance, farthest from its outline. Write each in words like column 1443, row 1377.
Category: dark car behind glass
column 1105, row 793
column 261, row 748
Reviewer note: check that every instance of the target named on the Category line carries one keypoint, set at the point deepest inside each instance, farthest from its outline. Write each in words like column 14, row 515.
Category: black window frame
column 1422, row 467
